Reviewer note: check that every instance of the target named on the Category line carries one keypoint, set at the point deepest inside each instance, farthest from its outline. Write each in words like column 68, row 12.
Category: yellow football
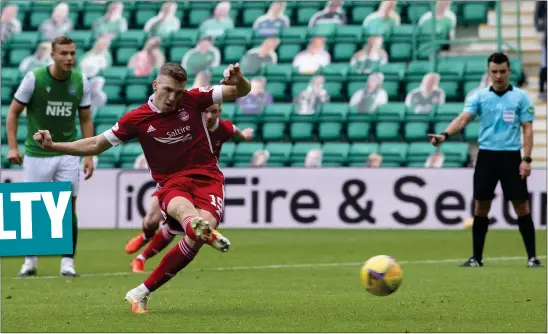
column 381, row 275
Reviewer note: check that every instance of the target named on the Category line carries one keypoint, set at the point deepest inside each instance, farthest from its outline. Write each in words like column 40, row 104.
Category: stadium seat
column 395, row 153
column 279, row 153
column 123, row 55
column 135, row 93
column 415, row 131
column 360, row 13
column 274, row 131
column 244, row 152
column 300, row 150
column 238, row 36
column 130, row 38
column 393, row 71
column 356, row 116
column 391, row 112
column 17, row 55
column 358, row 131
column 177, row 53
column 110, row 113
column 335, row 72
column 277, row 90
column 250, row 15
column 387, row 131
column 278, row 112
column 335, row 154
column 474, row 13
column 197, row 16
column 278, row 72
column 7, row 94
column 330, row 131
column 419, row 152
column 417, row 69
column 294, row 35
column 227, row 151
column 349, row 33
column 359, row 152
column 241, row 116
column 11, row 76
column 114, row 75
column 333, row 112
column 130, row 151
column 343, row 51
column 334, row 91
column 455, row 152
column 471, row 131
column 184, row 37
column 326, row 30
column 452, row 91
column 447, row 112
column 297, row 117
column 400, row 51
column 110, row 157
column 228, row 110
column 301, row 131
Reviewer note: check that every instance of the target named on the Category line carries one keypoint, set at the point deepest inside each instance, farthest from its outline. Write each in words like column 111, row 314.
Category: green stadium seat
column 447, row 112
column 402, row 33
column 469, row 86
column 356, row 116
column 228, row 110
column 110, row 114
column 455, row 152
column 349, row 33
column 36, row 18
column 335, row 154
column 123, row 55
column 184, row 37
column 130, row 38
column 334, row 89
column 90, row 16
column 238, row 36
column 395, row 153
column 393, row 71
column 359, row 152
column 330, row 131
column 392, row 88
column 294, row 35
column 217, row 73
column 326, row 30
column 24, row 39
column 273, row 131
column 391, row 112
column 415, row 131
column 296, row 116
column 344, row 51
column 416, row 10
column 277, row 90
column 278, row 72
column 142, row 16
column 197, row 16
column 400, row 51
column 244, row 152
column 5, row 150
column 177, row 53
column 411, row 116
column 82, row 38
column 114, row 75
column 110, row 157
column 471, row 131
column 22, row 133
column 304, row 15
column 102, row 127
column 279, row 153
column 5, row 109
column 417, row 69
column 335, row 72
column 360, row 13
column 278, row 112
column 11, row 76
column 241, row 164
column 333, row 112
column 251, row 125
column 358, row 131
column 249, row 15
column 134, row 93
column 474, row 13
column 439, row 127
column 241, row 116
column 300, row 150
column 16, row 56
column 387, row 131
column 475, row 69
column 227, row 151
column 451, row 70
column 452, row 91
column 233, row 53
column 354, row 86
column 7, row 94
column 301, row 131
column 287, row 52
column 419, row 152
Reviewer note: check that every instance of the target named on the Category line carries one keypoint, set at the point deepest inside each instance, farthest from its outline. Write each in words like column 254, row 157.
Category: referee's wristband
column 445, row 134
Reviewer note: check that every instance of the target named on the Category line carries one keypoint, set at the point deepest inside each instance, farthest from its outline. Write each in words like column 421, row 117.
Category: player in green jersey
column 52, row 97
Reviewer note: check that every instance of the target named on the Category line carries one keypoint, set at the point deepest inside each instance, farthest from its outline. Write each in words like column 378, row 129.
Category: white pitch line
column 285, row 266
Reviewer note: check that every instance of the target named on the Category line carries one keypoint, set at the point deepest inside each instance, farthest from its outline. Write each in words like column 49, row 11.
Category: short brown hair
column 61, row 40
column 175, row 71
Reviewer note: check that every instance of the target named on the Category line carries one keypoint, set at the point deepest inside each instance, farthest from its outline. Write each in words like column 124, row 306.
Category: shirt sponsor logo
column 178, row 135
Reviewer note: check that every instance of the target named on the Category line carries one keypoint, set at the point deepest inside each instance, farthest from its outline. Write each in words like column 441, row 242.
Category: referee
column 502, row 110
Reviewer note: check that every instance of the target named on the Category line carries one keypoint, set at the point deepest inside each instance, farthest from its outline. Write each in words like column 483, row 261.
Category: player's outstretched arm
column 235, row 84
column 456, row 126
column 83, row 147
column 245, row 134
column 14, row 155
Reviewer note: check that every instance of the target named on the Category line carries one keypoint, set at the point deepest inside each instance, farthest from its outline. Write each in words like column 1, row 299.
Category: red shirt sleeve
column 206, row 96
column 228, row 128
column 122, row 131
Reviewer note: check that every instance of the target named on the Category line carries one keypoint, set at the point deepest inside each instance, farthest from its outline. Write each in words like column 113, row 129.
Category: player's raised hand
column 247, row 133
column 232, row 75
column 43, row 137
column 436, row 139
column 15, row 156
column 89, row 167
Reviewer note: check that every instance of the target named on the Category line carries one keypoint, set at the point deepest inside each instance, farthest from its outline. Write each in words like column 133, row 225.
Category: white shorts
column 61, row 168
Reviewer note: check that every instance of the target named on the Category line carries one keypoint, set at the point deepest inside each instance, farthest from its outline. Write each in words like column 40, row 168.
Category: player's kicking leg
column 161, row 240
column 199, row 226
column 151, row 222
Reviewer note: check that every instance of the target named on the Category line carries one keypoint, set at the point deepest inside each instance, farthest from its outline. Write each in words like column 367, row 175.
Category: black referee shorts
column 494, row 166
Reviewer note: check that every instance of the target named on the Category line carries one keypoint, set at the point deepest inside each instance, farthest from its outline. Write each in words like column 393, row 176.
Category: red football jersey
column 220, row 134
column 175, row 143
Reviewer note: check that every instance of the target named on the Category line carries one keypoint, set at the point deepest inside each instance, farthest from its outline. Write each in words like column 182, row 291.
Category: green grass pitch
column 289, row 281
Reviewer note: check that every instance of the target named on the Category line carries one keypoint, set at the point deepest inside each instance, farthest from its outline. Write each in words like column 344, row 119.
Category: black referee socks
column 527, row 230
column 479, row 231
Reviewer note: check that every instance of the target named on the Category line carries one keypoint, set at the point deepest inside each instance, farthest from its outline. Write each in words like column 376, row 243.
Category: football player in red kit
column 220, row 131
column 173, row 134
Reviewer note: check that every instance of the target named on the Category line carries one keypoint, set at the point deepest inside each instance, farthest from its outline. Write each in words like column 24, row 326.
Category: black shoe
column 534, row 263
column 27, row 273
column 472, row 262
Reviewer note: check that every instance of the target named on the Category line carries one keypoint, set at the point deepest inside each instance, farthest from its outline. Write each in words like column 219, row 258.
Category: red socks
column 174, row 261
column 160, row 241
